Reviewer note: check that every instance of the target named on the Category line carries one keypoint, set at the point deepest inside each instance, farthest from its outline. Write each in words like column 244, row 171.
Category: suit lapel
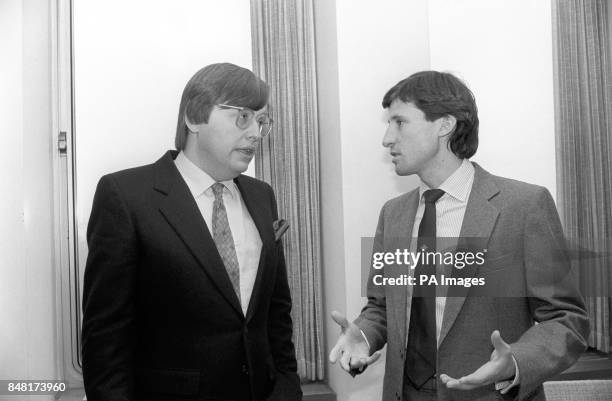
column 256, row 201
column 478, row 222
column 400, row 236
column 182, row 213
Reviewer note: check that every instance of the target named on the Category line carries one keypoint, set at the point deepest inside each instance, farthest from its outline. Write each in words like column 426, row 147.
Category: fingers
column 340, row 319
column 373, row 358
column 350, row 362
column 464, row 383
column 453, row 383
column 335, row 353
column 359, row 363
column 445, row 378
column 351, row 350
column 345, row 361
column 499, row 367
column 497, row 341
column 481, row 377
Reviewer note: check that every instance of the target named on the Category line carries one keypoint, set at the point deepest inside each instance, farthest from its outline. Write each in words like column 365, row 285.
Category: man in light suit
column 185, row 291
column 447, row 344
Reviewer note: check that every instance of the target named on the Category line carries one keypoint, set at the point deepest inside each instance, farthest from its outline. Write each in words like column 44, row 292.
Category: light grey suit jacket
column 526, row 261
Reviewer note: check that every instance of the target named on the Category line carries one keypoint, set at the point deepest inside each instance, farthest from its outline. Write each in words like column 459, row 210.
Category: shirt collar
column 197, row 179
column 458, row 184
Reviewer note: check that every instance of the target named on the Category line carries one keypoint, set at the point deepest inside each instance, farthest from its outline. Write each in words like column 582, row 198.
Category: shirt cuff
column 507, row 385
column 366, row 340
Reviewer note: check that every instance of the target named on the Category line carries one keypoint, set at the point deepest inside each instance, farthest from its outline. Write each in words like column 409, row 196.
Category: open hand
column 351, row 348
column 500, row 367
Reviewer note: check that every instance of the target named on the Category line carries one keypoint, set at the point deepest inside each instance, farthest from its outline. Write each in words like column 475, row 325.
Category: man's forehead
column 386, row 115
column 400, row 104
column 397, row 109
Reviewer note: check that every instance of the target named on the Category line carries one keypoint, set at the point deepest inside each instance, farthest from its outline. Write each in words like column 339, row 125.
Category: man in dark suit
column 185, row 290
column 445, row 343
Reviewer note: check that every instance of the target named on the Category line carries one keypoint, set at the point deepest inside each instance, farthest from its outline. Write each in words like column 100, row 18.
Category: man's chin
column 240, row 167
column 403, row 171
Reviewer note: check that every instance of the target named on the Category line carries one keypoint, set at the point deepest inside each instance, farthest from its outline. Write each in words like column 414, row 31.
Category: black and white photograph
column 306, row 200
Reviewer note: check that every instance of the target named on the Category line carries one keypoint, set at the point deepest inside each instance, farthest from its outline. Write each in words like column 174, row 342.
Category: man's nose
column 389, row 137
column 253, row 131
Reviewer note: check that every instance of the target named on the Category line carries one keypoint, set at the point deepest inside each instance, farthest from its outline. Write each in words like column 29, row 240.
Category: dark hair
column 439, row 94
column 214, row 84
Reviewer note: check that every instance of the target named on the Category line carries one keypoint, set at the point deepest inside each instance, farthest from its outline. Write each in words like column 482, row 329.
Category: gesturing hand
column 351, row 348
column 500, row 367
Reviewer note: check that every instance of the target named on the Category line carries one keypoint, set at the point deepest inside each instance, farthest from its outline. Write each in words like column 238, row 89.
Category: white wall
column 363, row 50
column 27, row 337
column 332, row 222
column 503, row 49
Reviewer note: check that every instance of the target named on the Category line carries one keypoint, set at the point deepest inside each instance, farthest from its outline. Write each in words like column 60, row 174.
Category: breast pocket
column 503, row 276
column 501, row 262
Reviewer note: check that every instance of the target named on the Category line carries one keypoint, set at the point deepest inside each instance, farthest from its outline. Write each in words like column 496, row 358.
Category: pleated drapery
column 284, row 56
column 583, row 119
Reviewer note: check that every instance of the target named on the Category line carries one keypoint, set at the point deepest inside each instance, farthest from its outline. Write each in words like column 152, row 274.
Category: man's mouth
column 395, row 157
column 247, row 151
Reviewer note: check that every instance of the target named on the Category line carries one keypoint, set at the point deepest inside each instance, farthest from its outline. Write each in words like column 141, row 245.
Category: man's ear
column 191, row 126
column 448, row 125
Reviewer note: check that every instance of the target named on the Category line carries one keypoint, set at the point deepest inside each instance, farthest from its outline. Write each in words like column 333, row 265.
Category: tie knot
column 217, row 189
column 432, row 195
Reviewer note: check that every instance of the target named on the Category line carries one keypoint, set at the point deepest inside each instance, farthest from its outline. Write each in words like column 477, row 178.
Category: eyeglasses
column 245, row 118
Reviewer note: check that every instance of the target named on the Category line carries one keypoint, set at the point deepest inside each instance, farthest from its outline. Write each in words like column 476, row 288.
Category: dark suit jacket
column 527, row 269
column 161, row 320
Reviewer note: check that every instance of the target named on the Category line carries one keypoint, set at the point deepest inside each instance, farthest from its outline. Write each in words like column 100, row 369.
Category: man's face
column 224, row 149
column 413, row 142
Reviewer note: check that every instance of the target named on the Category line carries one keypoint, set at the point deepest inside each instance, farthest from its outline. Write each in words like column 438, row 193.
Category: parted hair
column 214, row 84
column 439, row 94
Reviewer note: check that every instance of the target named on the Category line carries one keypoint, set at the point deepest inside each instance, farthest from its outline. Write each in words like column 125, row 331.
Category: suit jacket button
column 245, row 370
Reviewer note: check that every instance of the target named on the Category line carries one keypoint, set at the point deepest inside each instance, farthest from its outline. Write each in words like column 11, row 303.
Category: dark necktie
column 422, row 342
column 222, row 235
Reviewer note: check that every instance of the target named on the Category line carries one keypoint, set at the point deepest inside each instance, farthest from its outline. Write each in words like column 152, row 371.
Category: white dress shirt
column 244, row 232
column 450, row 209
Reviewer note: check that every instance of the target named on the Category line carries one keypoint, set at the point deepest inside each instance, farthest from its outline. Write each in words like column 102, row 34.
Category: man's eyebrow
column 397, row 117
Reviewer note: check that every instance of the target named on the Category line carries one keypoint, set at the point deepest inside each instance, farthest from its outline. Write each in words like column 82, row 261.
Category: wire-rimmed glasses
column 245, row 118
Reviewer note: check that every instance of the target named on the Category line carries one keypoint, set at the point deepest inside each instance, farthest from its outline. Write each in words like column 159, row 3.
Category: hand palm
column 499, row 367
column 351, row 348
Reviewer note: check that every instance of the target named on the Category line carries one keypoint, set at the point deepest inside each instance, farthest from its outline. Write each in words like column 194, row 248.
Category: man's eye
column 244, row 115
column 400, row 123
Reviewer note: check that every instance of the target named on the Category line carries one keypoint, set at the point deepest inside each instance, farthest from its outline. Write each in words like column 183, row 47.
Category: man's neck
column 435, row 174
column 195, row 158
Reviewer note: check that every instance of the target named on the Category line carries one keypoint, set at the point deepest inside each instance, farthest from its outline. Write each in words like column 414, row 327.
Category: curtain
column 583, row 119
column 284, row 56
